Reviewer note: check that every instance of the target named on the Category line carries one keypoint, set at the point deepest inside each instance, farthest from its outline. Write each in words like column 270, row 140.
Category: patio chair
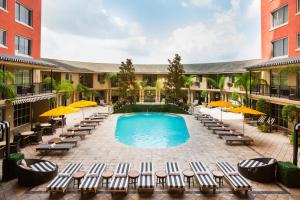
column 61, row 182
column 91, row 180
column 37, row 137
column 54, row 147
column 120, row 180
column 102, row 103
column 239, row 139
column 234, row 178
column 175, row 180
column 146, row 178
column 260, row 120
column 204, row 177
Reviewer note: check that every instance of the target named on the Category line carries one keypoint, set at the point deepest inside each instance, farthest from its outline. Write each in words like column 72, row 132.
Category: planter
column 288, row 174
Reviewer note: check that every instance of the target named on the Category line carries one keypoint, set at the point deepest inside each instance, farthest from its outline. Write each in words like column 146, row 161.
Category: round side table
column 188, row 177
column 133, row 177
column 161, row 177
column 219, row 177
column 106, row 176
column 77, row 177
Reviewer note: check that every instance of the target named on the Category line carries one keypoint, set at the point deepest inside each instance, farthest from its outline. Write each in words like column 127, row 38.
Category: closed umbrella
column 83, row 104
column 245, row 110
column 61, row 110
column 221, row 104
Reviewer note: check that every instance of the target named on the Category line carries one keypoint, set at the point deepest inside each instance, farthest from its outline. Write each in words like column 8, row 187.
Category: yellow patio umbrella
column 221, row 104
column 245, row 110
column 61, row 110
column 83, row 104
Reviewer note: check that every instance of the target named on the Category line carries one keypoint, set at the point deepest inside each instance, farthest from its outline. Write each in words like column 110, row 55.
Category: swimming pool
column 151, row 130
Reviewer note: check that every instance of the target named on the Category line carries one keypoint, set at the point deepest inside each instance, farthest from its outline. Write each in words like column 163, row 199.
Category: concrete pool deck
column 101, row 146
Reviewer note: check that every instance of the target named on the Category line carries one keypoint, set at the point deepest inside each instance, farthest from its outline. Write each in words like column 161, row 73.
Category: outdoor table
column 188, row 177
column 219, row 176
column 106, row 176
column 133, row 177
column 45, row 125
column 77, row 177
column 161, row 177
column 27, row 133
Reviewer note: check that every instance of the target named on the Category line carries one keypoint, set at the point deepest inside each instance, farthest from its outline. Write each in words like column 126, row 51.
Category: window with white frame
column 298, row 40
column 280, row 48
column 3, row 4
column 69, row 77
column 298, row 6
column 22, row 45
column 280, row 17
column 2, row 37
column 23, row 14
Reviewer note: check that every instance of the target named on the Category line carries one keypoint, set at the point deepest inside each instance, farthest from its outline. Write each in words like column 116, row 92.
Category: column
column 107, row 95
column 192, row 97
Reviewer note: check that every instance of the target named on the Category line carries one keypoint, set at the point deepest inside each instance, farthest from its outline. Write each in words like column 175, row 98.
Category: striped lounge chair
column 234, row 178
column 62, row 180
column 204, row 177
column 43, row 166
column 146, row 178
column 91, row 180
column 120, row 178
column 175, row 180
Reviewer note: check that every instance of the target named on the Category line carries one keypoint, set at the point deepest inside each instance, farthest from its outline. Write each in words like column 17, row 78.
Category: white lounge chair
column 175, row 180
column 146, row 178
column 120, row 178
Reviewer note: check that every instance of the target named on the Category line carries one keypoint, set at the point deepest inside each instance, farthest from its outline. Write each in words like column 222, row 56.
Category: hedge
column 288, row 174
column 165, row 108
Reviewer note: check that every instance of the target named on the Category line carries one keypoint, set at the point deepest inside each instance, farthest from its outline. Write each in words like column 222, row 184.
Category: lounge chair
column 92, row 121
column 175, row 181
column 74, row 134
column 120, row 180
column 63, row 179
column 80, row 129
column 204, row 176
column 237, row 139
column 70, row 140
column 91, row 180
column 217, row 124
column 220, row 128
column 89, row 125
column 234, row 178
column 146, row 178
column 54, row 147
column 222, row 134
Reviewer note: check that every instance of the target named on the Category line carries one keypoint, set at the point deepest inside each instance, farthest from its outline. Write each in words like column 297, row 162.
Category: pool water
column 151, row 130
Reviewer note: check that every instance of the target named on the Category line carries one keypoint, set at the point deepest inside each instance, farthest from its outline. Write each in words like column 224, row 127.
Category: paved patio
column 102, row 146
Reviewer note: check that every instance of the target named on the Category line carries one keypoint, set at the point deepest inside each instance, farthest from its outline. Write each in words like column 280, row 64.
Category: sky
column 151, row 31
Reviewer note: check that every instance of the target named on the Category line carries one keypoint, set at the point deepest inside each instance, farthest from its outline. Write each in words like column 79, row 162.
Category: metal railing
column 288, row 92
column 32, row 89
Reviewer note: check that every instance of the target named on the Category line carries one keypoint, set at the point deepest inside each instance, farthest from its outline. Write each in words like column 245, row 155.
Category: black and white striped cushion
column 205, row 180
column 251, row 163
column 61, row 182
column 120, row 183
column 237, row 180
column 92, row 182
column 146, row 181
column 174, row 181
column 43, row 166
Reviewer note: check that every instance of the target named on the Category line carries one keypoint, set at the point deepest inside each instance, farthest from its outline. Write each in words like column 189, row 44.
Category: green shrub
column 264, row 127
column 16, row 156
column 289, row 112
column 291, row 137
column 262, row 106
column 288, row 174
column 235, row 96
column 168, row 108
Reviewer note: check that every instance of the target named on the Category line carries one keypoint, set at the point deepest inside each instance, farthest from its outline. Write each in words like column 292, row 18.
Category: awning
column 25, row 60
column 276, row 62
column 31, row 99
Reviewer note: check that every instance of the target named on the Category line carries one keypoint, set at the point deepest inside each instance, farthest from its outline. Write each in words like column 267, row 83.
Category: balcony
column 287, row 92
column 32, row 89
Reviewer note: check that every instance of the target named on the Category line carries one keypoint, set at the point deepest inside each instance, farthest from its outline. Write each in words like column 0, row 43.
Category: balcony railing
column 32, row 89
column 288, row 92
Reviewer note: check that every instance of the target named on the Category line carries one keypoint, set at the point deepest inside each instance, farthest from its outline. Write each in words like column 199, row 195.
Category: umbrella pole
column 221, row 114
column 244, row 126
column 62, row 126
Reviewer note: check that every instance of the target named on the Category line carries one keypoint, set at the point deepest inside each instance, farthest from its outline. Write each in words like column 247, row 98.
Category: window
column 23, row 14
column 23, row 77
column 280, row 17
column 280, row 47
column 199, row 78
column 22, row 45
column 150, row 80
column 2, row 38
column 21, row 114
column 298, row 40
column 69, row 77
column 298, row 6
column 3, row 4
column 101, row 78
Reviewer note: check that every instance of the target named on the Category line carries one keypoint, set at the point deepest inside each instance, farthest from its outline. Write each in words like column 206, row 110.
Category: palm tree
column 188, row 81
column 86, row 92
column 111, row 76
column 5, row 88
column 217, row 82
column 49, row 80
column 65, row 87
column 243, row 82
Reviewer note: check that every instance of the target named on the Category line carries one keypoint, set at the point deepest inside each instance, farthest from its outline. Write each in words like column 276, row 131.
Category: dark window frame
column 21, row 16
column 18, row 43
column 298, row 7
column 3, row 5
column 4, row 42
column 298, row 40
column 283, row 53
column 285, row 11
column 21, row 114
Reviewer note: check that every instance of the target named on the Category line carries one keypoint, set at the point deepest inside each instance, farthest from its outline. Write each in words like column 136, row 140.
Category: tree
column 175, row 80
column 111, row 76
column 86, row 92
column 204, row 94
column 126, row 81
column 262, row 106
column 235, row 97
column 49, row 80
column 188, row 81
column 7, row 89
column 243, row 82
column 65, row 87
column 217, row 82
column 289, row 112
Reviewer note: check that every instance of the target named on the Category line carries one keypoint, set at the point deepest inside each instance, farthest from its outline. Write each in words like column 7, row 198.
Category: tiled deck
column 204, row 146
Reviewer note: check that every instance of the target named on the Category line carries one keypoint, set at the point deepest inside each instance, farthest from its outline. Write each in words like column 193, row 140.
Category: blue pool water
column 151, row 130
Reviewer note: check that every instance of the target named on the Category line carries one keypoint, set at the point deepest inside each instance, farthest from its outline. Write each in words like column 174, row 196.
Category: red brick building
column 20, row 27
column 280, row 26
